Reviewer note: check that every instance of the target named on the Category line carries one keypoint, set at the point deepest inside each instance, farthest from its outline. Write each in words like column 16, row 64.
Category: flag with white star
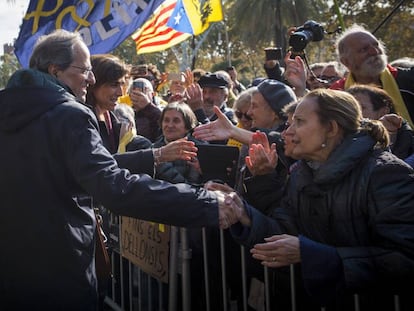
column 195, row 16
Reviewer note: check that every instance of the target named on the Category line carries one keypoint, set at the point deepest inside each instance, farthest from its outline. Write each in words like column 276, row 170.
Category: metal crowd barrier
column 134, row 290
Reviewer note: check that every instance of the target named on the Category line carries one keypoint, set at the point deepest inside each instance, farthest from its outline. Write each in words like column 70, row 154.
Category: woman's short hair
column 342, row 107
column 56, row 48
column 190, row 119
column 107, row 68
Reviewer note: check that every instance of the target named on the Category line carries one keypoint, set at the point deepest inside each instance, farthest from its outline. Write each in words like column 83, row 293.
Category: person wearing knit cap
column 268, row 102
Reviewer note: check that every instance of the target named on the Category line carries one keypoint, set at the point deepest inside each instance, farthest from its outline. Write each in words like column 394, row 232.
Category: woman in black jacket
column 347, row 216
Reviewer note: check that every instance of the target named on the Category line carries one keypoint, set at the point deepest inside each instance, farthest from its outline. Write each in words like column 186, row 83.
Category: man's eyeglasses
column 240, row 115
column 85, row 71
column 330, row 79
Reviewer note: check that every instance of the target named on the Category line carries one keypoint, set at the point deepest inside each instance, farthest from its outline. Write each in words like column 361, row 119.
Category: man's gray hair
column 341, row 47
column 55, row 48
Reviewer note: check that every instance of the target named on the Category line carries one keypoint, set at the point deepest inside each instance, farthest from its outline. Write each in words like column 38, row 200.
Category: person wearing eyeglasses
column 52, row 153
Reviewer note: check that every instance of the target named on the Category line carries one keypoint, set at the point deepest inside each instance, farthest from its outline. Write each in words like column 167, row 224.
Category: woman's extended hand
column 278, row 251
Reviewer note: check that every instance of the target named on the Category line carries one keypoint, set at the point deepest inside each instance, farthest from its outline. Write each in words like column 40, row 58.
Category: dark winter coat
column 51, row 153
column 355, row 220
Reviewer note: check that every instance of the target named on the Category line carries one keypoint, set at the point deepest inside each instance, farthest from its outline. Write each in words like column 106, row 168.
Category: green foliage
column 8, row 66
column 250, row 26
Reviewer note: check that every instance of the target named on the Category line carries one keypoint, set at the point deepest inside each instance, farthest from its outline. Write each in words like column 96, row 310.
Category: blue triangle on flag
column 179, row 19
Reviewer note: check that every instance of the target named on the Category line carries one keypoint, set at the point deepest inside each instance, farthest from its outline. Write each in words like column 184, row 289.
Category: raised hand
column 295, row 73
column 262, row 158
column 194, row 96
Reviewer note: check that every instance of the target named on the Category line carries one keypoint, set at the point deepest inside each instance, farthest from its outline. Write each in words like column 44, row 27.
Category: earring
column 323, row 145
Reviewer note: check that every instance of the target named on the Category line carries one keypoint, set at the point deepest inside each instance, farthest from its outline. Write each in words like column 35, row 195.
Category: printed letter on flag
column 103, row 24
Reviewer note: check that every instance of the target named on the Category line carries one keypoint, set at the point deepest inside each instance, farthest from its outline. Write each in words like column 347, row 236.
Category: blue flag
column 103, row 24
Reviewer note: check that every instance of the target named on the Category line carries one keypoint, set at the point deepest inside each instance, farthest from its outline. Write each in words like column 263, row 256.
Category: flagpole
column 227, row 43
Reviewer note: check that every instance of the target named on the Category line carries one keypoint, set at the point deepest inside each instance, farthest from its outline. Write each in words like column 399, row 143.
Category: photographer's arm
column 295, row 74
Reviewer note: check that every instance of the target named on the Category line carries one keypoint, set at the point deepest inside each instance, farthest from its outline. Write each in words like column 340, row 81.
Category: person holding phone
column 237, row 86
column 272, row 65
column 147, row 114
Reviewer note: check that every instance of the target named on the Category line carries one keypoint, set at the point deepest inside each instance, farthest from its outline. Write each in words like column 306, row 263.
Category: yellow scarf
column 233, row 142
column 124, row 141
column 390, row 86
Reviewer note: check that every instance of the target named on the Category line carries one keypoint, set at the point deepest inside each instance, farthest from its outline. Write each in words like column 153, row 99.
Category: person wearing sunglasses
column 244, row 121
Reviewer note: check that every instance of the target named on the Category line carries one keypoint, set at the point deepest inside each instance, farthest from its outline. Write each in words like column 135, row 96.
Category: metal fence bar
column 121, row 269
column 149, row 292
column 160, row 291
column 139, row 277
column 244, row 277
column 123, row 295
column 356, row 302
column 130, row 285
column 267, row 285
column 185, row 274
column 173, row 264
column 205, row 264
column 223, row 269
column 396, row 303
column 292, row 287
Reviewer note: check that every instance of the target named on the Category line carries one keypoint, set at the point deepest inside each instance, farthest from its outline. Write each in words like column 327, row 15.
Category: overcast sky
column 11, row 16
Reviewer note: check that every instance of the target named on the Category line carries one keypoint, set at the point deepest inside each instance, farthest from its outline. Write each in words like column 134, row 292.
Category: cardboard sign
column 146, row 244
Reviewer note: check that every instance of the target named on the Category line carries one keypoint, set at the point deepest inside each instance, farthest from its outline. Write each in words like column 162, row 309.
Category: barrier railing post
column 173, row 264
column 185, row 277
column 244, row 277
column 223, row 269
column 205, row 263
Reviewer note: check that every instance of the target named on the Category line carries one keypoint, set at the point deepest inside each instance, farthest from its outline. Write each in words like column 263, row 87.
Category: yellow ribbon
column 123, row 142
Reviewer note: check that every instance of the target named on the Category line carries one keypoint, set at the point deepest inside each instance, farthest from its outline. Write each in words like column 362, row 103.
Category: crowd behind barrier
column 132, row 289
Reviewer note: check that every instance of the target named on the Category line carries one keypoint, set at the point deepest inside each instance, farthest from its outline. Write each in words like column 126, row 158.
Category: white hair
column 341, row 47
column 147, row 84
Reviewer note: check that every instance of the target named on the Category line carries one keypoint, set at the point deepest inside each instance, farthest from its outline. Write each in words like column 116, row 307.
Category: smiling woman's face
column 173, row 125
column 106, row 95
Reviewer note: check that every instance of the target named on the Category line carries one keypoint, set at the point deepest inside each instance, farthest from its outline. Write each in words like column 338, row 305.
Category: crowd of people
column 324, row 179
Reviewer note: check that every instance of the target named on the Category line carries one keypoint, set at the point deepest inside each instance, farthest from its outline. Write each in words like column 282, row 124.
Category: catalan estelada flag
column 195, row 16
column 154, row 35
column 103, row 24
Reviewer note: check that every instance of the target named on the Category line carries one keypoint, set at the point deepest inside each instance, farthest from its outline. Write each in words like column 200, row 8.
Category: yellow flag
column 195, row 16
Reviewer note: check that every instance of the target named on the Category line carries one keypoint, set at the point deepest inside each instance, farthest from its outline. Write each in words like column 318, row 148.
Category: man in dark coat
column 52, row 153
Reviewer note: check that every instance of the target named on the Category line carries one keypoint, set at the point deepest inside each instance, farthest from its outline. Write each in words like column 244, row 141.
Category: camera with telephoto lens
column 310, row 31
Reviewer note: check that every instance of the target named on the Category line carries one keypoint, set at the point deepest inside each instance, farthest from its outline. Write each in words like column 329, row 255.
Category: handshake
column 231, row 206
